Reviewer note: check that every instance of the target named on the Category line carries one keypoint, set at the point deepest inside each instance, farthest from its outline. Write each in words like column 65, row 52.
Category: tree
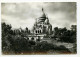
column 6, row 33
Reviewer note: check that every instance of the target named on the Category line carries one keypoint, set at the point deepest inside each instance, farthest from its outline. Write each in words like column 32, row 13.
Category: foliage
column 64, row 35
column 14, row 41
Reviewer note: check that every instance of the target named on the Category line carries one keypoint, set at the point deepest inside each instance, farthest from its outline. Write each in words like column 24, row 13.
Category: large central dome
column 43, row 17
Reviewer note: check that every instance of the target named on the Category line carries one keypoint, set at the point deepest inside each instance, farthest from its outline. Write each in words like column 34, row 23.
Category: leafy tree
column 6, row 33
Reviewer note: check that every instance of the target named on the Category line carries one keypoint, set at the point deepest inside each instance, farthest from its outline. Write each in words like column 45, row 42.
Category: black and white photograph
column 39, row 28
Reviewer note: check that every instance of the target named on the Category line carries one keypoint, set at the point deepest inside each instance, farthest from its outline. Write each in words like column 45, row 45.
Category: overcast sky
column 24, row 14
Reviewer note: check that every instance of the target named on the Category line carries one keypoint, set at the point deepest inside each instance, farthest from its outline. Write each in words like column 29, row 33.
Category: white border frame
column 78, row 27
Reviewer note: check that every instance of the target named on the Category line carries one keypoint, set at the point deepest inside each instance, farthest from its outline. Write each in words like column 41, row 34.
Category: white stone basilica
column 42, row 25
column 41, row 28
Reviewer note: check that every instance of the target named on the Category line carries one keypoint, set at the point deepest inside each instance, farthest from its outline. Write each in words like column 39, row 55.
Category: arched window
column 38, row 31
column 32, row 38
column 38, row 38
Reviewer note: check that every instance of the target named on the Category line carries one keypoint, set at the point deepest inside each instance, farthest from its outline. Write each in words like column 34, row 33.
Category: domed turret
column 47, row 20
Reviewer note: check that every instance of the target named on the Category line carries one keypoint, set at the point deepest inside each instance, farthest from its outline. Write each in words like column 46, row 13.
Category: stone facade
column 42, row 25
column 41, row 28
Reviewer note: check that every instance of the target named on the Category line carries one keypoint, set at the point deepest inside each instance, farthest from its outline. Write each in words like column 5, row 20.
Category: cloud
column 61, row 14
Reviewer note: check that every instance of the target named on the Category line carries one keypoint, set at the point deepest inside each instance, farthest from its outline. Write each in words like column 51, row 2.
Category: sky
column 60, row 14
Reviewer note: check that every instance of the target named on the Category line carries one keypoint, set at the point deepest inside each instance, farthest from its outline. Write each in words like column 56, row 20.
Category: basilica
column 42, row 25
column 41, row 28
